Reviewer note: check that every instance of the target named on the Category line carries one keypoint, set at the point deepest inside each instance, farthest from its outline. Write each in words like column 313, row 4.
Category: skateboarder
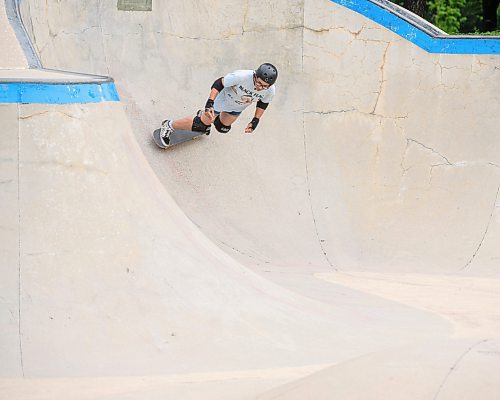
column 229, row 96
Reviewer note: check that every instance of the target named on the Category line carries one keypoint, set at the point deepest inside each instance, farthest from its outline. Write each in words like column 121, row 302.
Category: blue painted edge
column 415, row 34
column 57, row 93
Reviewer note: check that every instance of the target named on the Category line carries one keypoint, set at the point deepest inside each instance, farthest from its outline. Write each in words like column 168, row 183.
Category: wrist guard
column 254, row 122
column 209, row 104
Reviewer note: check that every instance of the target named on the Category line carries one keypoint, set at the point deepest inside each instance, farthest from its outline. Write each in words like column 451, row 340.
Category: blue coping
column 431, row 44
column 57, row 93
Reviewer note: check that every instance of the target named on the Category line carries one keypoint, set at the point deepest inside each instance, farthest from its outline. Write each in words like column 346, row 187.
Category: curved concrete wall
column 13, row 57
column 375, row 154
column 123, row 306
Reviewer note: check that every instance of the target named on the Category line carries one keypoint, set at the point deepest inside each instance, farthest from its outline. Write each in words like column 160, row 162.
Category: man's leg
column 224, row 121
column 227, row 119
column 186, row 123
column 183, row 124
column 201, row 122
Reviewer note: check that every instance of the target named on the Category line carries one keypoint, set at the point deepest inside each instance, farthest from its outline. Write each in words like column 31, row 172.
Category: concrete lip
column 34, row 75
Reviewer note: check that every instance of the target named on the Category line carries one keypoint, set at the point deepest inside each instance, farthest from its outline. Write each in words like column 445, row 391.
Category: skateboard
column 176, row 137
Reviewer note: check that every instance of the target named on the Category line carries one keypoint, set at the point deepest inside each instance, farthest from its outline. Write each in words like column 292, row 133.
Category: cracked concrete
column 311, row 205
column 409, row 141
column 382, row 79
column 485, row 231
column 51, row 112
column 333, row 236
column 455, row 366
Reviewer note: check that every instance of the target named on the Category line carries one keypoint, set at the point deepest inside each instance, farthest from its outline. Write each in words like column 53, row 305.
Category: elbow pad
column 262, row 105
column 218, row 85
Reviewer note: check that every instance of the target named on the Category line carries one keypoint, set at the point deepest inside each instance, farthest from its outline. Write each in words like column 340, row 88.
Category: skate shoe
column 165, row 131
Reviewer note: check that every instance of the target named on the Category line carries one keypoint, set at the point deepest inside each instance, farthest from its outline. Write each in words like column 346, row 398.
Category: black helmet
column 268, row 73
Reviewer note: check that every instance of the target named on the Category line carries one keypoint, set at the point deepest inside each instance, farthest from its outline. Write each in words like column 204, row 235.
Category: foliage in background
column 456, row 16
column 472, row 12
column 447, row 14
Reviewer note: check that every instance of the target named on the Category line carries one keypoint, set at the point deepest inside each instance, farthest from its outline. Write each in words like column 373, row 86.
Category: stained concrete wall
column 375, row 154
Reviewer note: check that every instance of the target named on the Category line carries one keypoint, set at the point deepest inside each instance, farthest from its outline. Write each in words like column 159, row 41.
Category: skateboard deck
column 176, row 137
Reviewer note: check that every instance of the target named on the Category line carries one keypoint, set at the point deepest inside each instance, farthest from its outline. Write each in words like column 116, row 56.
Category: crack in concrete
column 322, row 30
column 47, row 112
column 352, row 110
column 327, row 30
column 245, row 17
column 384, row 117
column 447, row 162
column 227, row 36
column 78, row 33
column 355, row 34
column 431, row 172
column 315, row 223
column 403, row 159
column 455, row 366
column 382, row 80
column 330, row 112
column 485, row 231
column 410, row 140
column 243, row 253
column 462, row 164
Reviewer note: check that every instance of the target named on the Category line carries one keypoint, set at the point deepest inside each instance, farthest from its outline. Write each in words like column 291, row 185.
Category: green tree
column 447, row 14
column 457, row 16
column 473, row 14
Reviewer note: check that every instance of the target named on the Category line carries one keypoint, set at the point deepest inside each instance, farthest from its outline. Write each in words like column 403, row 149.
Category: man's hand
column 252, row 125
column 209, row 104
column 208, row 117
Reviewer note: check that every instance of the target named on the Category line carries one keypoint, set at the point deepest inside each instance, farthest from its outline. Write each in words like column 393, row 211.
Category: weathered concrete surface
column 12, row 54
column 454, row 369
column 356, row 232
column 109, row 278
column 378, row 153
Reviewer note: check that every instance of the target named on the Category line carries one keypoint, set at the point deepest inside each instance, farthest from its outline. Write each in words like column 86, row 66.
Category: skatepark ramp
column 354, row 237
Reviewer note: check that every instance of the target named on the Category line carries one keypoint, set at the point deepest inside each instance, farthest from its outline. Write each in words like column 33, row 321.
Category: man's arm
column 217, row 87
column 259, row 112
column 209, row 115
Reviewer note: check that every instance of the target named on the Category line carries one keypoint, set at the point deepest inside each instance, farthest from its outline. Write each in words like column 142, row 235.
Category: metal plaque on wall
column 135, row 5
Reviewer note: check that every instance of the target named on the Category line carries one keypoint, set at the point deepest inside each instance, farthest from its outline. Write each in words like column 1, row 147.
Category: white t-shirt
column 239, row 92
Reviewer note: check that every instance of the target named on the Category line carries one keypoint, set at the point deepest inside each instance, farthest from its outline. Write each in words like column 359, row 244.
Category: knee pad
column 220, row 126
column 198, row 125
